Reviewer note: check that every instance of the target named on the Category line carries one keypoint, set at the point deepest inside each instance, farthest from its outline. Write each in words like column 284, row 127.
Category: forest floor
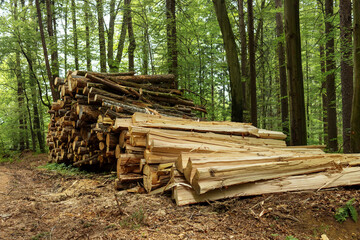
column 36, row 203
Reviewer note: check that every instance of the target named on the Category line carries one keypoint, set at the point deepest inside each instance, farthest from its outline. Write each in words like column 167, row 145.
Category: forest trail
column 42, row 204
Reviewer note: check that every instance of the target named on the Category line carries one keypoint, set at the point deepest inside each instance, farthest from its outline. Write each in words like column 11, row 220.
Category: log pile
column 203, row 161
column 81, row 124
column 148, row 131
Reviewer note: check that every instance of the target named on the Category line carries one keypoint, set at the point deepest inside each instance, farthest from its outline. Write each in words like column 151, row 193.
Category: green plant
column 291, row 238
column 134, row 221
column 348, row 210
column 40, row 236
column 63, row 169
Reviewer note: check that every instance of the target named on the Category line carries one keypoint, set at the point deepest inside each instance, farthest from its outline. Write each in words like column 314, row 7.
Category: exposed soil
column 41, row 204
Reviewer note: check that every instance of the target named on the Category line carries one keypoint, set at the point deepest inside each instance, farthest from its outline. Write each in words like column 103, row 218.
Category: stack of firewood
column 203, row 161
column 148, row 130
column 80, row 129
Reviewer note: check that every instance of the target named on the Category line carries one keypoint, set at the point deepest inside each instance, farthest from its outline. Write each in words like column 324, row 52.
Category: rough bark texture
column 295, row 75
column 52, row 37
column 346, row 69
column 232, row 60
column 323, row 95
column 76, row 50
column 253, row 100
column 282, row 70
column 100, row 14
column 171, row 38
column 355, row 114
column 132, row 43
column 244, row 62
column 54, row 92
column 330, row 77
column 87, row 36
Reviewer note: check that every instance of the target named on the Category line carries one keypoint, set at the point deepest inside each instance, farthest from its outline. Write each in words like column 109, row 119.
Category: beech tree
column 232, row 60
column 355, row 114
column 295, row 75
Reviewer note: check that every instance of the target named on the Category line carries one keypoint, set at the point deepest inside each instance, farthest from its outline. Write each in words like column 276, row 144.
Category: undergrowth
column 63, row 169
column 134, row 221
column 348, row 210
column 9, row 157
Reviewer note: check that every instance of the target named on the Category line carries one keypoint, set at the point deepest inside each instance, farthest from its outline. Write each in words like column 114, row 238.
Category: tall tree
column 54, row 92
column 244, row 62
column 20, row 89
column 87, row 36
column 282, row 69
column 232, row 60
column 346, row 69
column 171, row 38
column 330, row 77
column 355, row 113
column 295, row 75
column 132, row 43
column 100, row 14
column 52, row 37
column 75, row 33
column 323, row 94
column 253, row 100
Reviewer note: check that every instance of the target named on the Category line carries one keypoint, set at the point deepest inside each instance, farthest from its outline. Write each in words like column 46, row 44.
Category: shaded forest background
column 40, row 40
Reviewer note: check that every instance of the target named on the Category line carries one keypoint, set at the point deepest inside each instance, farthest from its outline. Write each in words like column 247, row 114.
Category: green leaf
column 342, row 214
column 353, row 213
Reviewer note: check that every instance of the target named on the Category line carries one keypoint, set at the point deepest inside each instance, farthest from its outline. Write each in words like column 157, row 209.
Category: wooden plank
column 184, row 195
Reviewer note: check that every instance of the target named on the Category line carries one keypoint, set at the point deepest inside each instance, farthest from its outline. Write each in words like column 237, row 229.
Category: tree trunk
column 232, row 60
column 330, row 77
column 54, row 92
column 282, row 70
column 66, row 36
column 76, row 50
column 132, row 43
column 323, row 95
column 20, row 90
column 100, row 14
column 52, row 37
column 295, row 75
column 114, row 67
column 253, row 100
column 244, row 62
column 171, row 38
column 87, row 36
column 355, row 114
column 346, row 69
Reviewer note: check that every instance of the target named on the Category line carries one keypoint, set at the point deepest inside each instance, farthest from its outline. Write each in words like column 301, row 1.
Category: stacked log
column 203, row 161
column 81, row 124
column 148, row 130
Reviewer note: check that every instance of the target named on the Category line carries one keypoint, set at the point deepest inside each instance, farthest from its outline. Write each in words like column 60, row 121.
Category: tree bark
column 54, row 92
column 132, row 43
column 346, row 69
column 53, row 40
column 87, row 36
column 232, row 60
column 282, row 70
column 76, row 50
column 355, row 114
column 330, row 77
column 253, row 100
column 20, row 90
column 171, row 38
column 100, row 14
column 244, row 62
column 295, row 75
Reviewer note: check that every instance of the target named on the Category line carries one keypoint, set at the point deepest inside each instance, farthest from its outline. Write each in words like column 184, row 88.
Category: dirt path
column 39, row 204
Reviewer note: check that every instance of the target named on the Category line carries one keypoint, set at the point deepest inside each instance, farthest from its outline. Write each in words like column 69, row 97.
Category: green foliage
column 63, row 169
column 291, row 238
column 134, row 221
column 348, row 210
column 42, row 235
